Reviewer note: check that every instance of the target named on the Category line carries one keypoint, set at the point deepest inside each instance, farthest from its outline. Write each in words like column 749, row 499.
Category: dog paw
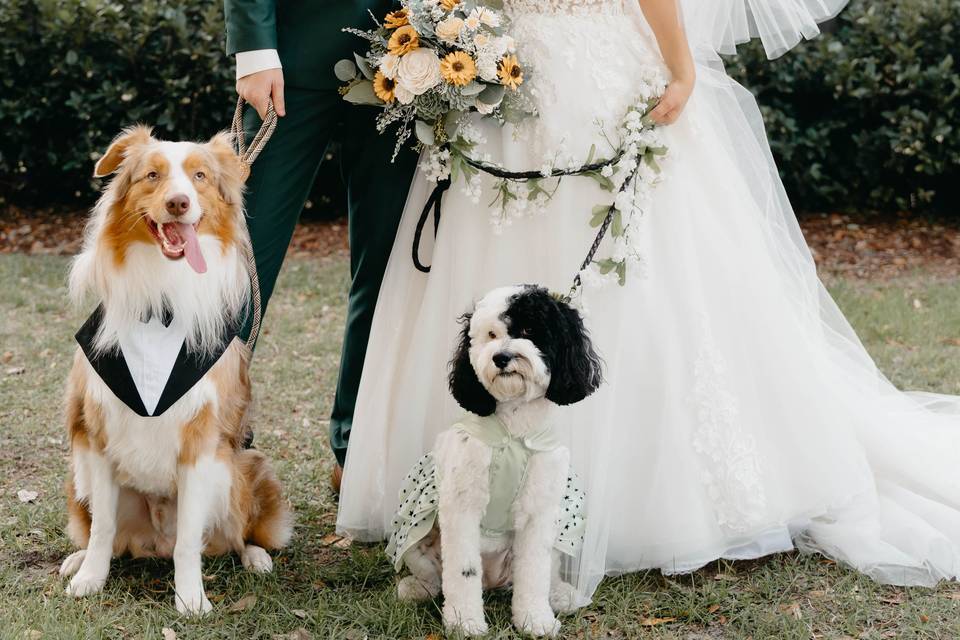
column 256, row 559
column 85, row 584
column 465, row 625
column 71, row 564
column 193, row 604
column 563, row 598
column 536, row 623
column 413, row 589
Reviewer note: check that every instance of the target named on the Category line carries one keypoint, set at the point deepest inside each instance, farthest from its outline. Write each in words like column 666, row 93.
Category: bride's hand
column 672, row 102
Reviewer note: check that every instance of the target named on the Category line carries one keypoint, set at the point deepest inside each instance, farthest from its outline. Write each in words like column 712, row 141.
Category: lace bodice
column 564, row 7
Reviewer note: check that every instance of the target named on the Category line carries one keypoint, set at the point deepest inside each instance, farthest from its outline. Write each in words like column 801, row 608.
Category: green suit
column 307, row 35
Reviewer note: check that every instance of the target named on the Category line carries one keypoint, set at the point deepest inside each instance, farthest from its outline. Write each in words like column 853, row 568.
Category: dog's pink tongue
column 191, row 247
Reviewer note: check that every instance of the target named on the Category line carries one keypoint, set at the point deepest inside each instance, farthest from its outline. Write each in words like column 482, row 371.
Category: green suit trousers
column 279, row 183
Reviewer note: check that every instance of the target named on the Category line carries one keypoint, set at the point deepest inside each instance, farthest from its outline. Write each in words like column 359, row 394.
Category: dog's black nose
column 178, row 204
column 502, row 359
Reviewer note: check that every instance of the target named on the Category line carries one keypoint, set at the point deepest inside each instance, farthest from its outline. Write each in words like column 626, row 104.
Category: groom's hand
column 258, row 88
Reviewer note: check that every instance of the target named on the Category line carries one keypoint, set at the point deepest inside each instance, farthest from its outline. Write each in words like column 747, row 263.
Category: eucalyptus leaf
column 365, row 67
column 424, row 133
column 362, row 93
column 451, row 124
column 473, row 89
column 491, row 94
column 616, row 225
column 622, row 273
column 345, row 70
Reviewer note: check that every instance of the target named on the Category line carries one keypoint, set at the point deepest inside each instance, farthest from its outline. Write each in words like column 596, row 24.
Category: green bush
column 867, row 116
column 75, row 72
column 864, row 117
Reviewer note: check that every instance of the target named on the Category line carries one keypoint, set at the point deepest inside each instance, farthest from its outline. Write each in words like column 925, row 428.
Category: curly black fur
column 465, row 386
column 558, row 331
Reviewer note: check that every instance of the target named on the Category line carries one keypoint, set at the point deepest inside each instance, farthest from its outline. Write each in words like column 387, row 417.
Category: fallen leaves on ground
column 244, row 603
column 168, row 633
column 653, row 622
column 23, row 495
column 792, row 609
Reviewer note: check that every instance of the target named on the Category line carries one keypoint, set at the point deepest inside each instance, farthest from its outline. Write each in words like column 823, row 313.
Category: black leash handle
column 433, row 202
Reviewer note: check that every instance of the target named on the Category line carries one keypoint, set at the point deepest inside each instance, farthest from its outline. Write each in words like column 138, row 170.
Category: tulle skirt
column 740, row 415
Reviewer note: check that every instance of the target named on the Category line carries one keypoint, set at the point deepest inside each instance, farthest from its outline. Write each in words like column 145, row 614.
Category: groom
column 286, row 50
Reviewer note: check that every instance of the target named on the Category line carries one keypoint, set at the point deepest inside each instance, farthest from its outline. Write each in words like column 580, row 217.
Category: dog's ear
column 575, row 368
column 229, row 169
column 465, row 386
column 119, row 149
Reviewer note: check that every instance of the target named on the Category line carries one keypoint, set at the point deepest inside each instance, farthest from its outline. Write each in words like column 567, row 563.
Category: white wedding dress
column 740, row 415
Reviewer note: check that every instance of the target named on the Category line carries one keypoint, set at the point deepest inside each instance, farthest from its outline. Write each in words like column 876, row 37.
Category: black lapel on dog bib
column 186, row 371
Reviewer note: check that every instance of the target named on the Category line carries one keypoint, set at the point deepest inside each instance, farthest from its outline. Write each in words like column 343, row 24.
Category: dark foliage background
column 865, row 117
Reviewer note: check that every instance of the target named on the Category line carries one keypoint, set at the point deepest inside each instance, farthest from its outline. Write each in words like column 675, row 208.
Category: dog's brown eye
column 492, row 335
column 200, row 175
column 153, row 175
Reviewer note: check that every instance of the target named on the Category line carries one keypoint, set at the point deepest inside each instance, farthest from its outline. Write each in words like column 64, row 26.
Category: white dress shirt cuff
column 249, row 62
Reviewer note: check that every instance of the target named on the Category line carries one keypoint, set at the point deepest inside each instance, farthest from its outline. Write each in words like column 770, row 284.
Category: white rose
column 388, row 65
column 402, row 94
column 448, row 30
column 418, row 72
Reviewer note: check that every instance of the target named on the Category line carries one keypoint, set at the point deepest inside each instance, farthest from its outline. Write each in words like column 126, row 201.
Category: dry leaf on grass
column 15, row 371
column 792, row 609
column 244, row 603
column 300, row 613
column 894, row 598
column 168, row 633
column 652, row 622
column 296, row 634
column 713, row 608
column 26, row 496
column 330, row 539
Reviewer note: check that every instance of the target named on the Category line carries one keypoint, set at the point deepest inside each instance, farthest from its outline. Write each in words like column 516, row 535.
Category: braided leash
column 248, row 154
column 434, row 204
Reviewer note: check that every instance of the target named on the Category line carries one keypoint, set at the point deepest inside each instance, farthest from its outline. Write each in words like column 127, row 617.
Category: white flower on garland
column 418, row 71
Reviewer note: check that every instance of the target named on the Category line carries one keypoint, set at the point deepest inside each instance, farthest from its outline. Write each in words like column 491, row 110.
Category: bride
column 741, row 416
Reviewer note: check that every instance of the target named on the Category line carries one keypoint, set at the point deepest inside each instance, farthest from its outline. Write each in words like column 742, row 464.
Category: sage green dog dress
column 419, row 498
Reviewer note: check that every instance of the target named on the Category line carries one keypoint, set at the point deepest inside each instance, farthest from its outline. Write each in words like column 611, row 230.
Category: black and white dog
column 522, row 352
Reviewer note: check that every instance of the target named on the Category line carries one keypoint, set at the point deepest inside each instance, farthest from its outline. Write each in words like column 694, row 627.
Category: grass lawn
column 322, row 591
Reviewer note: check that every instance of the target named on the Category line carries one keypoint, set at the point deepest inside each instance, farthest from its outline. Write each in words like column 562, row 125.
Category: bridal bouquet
column 432, row 61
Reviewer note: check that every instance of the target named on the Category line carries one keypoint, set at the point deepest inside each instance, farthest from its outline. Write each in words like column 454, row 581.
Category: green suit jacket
column 306, row 33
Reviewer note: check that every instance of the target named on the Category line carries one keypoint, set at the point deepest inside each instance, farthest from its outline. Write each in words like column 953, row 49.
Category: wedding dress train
column 741, row 415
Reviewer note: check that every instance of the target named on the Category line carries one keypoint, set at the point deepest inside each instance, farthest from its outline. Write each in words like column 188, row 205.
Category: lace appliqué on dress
column 731, row 470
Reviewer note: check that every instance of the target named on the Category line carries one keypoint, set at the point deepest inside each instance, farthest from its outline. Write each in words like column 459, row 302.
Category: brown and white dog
column 167, row 236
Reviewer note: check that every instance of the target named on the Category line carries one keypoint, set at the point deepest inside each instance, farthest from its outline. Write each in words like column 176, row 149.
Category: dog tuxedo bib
column 419, row 498
column 150, row 369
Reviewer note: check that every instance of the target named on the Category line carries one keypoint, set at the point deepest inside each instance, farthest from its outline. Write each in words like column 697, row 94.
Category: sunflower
column 396, row 19
column 383, row 87
column 511, row 75
column 448, row 5
column 404, row 40
column 458, row 68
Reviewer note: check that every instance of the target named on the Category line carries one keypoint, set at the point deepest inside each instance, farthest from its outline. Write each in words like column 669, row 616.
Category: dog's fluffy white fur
column 181, row 484
column 522, row 353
